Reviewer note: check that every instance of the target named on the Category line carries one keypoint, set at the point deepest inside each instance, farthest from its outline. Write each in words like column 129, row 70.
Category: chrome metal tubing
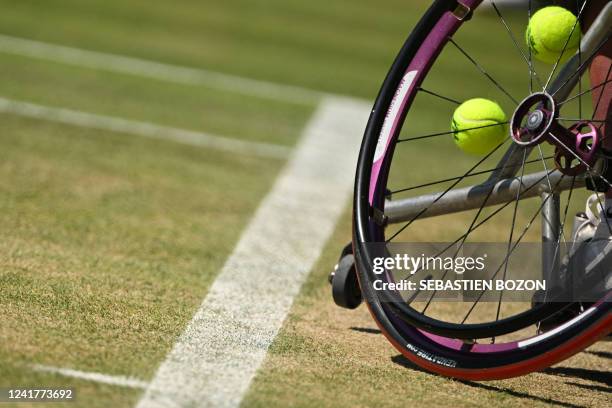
column 472, row 197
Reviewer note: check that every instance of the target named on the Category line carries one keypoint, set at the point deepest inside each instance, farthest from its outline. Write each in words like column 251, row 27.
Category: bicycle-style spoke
column 558, row 243
column 483, row 71
column 478, row 173
column 541, row 157
column 580, row 160
column 565, row 212
column 548, row 181
column 450, row 132
column 447, row 190
column 587, row 91
column 519, row 239
column 596, row 107
column 590, row 175
column 580, row 80
column 485, row 220
column 529, row 12
column 567, row 40
column 516, row 204
column 532, row 72
column 583, row 65
column 602, row 207
column 465, row 237
column 569, row 199
column 582, row 120
column 437, row 95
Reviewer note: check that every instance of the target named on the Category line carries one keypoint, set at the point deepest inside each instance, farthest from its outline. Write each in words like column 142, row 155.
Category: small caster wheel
column 345, row 287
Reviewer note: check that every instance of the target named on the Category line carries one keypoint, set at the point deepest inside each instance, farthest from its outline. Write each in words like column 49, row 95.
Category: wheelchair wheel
column 404, row 159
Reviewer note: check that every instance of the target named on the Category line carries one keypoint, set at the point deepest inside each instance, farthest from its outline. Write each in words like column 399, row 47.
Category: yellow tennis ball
column 548, row 31
column 479, row 126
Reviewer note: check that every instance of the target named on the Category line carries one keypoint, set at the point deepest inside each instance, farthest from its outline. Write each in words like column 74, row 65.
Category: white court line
column 215, row 359
column 117, row 380
column 146, row 129
column 157, row 70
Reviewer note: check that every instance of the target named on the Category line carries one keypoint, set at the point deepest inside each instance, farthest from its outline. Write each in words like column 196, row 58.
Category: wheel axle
column 536, row 121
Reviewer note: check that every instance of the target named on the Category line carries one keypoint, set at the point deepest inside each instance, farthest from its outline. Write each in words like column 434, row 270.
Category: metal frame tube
column 469, row 198
column 551, row 224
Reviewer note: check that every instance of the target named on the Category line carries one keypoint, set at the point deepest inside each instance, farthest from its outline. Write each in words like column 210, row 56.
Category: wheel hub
column 536, row 121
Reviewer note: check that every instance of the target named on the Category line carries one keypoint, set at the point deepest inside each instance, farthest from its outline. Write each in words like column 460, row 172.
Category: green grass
column 110, row 241
column 344, row 46
column 183, row 106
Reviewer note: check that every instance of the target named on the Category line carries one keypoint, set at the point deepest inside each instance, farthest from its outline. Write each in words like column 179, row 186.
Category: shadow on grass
column 602, row 354
column 404, row 362
column 602, row 377
column 519, row 394
column 366, row 330
column 592, row 387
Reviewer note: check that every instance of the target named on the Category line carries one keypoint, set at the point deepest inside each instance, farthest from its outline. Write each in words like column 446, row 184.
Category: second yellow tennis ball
column 479, row 125
column 548, row 32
